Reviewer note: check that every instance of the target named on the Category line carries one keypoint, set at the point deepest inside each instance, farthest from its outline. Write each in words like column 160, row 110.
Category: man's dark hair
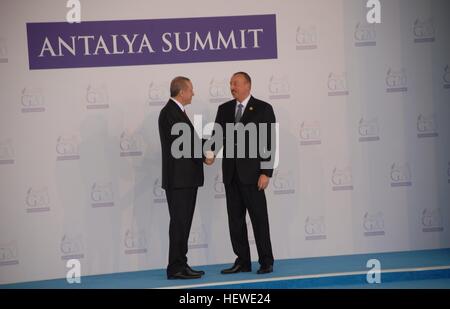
column 177, row 84
column 246, row 76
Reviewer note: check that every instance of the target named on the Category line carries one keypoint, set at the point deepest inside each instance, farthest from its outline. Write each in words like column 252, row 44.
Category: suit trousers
column 181, row 210
column 240, row 198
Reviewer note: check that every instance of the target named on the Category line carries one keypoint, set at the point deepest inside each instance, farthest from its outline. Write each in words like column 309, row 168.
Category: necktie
column 239, row 113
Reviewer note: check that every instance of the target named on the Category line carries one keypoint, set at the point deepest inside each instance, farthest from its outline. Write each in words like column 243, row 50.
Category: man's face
column 187, row 93
column 240, row 87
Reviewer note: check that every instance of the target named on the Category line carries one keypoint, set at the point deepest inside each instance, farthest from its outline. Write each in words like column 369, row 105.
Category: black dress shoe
column 200, row 272
column 265, row 270
column 184, row 274
column 237, row 268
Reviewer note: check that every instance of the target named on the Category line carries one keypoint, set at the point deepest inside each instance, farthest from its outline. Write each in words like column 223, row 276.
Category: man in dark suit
column 181, row 175
column 245, row 178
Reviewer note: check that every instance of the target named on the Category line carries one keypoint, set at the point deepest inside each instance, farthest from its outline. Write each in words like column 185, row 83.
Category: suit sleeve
column 166, row 122
column 269, row 118
column 165, row 127
column 218, row 122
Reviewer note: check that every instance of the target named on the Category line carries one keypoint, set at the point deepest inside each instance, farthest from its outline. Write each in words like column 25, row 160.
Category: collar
column 179, row 104
column 244, row 102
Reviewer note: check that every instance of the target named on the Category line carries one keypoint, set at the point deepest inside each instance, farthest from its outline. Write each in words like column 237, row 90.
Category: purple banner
column 159, row 41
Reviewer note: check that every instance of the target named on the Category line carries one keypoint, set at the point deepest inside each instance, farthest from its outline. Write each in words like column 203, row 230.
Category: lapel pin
column 251, row 108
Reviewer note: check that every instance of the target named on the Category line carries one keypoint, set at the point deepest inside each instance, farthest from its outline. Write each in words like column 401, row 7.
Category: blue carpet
column 283, row 269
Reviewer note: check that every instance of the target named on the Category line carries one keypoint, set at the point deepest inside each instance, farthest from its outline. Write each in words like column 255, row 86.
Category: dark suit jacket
column 178, row 172
column 248, row 169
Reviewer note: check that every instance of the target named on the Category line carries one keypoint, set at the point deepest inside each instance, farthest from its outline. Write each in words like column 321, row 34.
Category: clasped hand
column 209, row 157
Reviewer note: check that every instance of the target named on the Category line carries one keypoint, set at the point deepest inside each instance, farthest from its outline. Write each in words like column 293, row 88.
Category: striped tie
column 239, row 113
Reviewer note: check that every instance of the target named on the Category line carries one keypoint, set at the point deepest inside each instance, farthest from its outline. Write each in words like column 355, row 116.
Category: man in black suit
column 181, row 175
column 245, row 178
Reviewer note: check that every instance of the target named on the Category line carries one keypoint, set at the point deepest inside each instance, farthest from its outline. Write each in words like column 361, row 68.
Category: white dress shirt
column 244, row 103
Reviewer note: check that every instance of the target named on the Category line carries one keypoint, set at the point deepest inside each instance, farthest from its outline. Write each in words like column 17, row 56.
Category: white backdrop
column 364, row 139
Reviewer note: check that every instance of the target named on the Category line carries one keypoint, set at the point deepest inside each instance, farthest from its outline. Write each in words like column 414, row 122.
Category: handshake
column 209, row 157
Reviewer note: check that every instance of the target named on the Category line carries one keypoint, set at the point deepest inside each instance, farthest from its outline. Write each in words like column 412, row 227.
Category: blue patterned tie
column 239, row 113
